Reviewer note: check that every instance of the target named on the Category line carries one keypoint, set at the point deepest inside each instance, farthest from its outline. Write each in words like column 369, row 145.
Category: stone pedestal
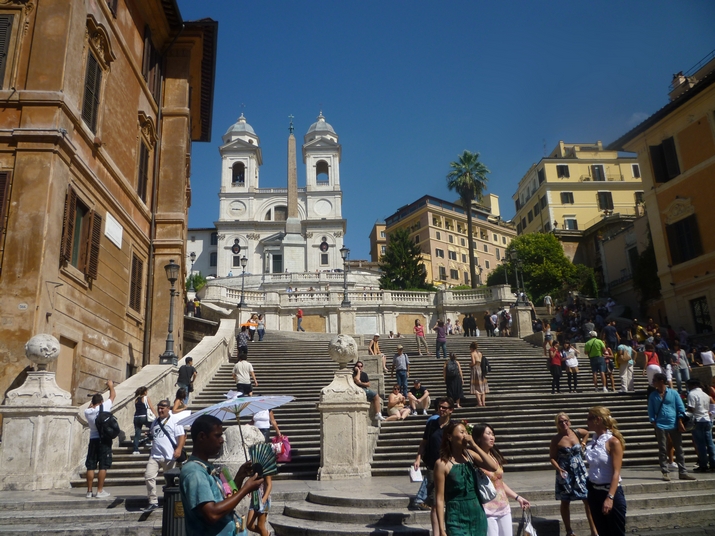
column 704, row 374
column 521, row 321
column 343, row 406
column 346, row 320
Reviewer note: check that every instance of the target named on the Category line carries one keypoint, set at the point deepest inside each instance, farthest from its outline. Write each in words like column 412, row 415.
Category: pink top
column 500, row 505
column 419, row 331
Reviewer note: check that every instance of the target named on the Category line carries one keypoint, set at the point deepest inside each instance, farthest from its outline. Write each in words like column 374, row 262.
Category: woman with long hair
column 479, row 386
column 604, row 454
column 652, row 364
column 179, row 405
column 459, row 511
column 570, row 354
column 420, row 337
column 565, row 454
column 453, row 379
column 497, row 510
column 141, row 404
column 555, row 363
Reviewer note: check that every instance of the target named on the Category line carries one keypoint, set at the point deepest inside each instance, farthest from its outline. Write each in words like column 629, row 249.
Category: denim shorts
column 598, row 364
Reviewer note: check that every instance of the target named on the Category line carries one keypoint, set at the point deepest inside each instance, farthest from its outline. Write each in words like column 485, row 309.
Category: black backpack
column 486, row 366
column 452, row 369
column 107, row 425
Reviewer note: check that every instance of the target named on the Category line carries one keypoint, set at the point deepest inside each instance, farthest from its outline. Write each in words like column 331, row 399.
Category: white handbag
column 485, row 487
column 525, row 526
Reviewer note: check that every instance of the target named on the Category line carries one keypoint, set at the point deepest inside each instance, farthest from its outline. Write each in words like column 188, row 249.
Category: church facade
column 279, row 230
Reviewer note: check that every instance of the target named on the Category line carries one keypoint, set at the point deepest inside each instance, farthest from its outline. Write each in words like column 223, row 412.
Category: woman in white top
column 604, row 454
column 263, row 420
column 706, row 356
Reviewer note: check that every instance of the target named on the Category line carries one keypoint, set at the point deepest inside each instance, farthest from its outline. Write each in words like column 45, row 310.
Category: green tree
column 469, row 179
column 544, row 267
column 401, row 264
column 198, row 280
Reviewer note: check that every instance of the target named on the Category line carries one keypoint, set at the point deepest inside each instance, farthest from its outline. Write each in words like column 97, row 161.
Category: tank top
column 140, row 407
column 419, row 331
column 600, row 464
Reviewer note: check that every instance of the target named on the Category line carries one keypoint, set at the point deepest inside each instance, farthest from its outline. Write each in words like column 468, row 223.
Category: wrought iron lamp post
column 191, row 273
column 514, row 256
column 172, row 274
column 244, row 262
column 345, row 253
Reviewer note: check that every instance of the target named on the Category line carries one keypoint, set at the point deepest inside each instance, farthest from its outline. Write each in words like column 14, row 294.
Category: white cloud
column 636, row 119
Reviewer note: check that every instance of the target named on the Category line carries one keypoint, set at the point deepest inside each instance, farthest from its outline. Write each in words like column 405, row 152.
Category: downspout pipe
column 148, row 308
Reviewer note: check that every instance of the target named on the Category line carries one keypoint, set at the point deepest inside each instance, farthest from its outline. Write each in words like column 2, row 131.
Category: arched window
column 268, row 215
column 280, row 213
column 239, row 173
column 321, row 172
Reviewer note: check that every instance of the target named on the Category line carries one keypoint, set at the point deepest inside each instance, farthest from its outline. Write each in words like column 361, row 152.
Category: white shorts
column 669, row 373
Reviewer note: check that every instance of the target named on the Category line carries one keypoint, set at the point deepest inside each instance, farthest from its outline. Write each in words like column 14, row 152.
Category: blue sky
column 410, row 85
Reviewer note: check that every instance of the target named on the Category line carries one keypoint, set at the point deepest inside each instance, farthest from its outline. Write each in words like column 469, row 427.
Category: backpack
column 486, row 366
column 452, row 369
column 107, row 425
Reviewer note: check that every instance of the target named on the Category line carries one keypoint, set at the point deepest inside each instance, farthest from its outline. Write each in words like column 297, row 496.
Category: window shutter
column 92, row 85
column 95, row 234
column 68, row 224
column 135, row 284
column 671, row 158
column 657, row 159
column 143, row 172
column 695, row 236
column 5, row 32
column 673, row 243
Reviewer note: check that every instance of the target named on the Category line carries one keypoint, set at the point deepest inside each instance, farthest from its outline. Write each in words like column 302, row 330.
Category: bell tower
column 321, row 156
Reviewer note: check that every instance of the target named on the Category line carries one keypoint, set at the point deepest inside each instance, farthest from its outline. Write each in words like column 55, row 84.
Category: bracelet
column 610, row 496
column 516, row 498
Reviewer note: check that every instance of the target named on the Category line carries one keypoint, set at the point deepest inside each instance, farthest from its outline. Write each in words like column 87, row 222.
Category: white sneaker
column 673, row 466
column 605, row 390
column 89, row 495
column 136, row 453
column 102, row 494
column 379, row 417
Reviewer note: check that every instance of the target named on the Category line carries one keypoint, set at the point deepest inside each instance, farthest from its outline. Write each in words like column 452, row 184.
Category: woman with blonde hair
column 565, row 454
column 604, row 454
column 459, row 511
column 479, row 385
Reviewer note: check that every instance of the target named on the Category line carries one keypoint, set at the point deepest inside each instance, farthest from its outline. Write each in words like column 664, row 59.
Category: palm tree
column 469, row 179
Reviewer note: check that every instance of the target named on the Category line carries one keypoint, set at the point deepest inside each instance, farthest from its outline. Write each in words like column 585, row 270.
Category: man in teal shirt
column 207, row 512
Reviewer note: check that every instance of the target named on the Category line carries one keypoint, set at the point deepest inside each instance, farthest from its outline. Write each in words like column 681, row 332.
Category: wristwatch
column 610, row 496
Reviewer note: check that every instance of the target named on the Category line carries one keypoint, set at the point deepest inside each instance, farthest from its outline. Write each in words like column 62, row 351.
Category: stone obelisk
column 293, row 242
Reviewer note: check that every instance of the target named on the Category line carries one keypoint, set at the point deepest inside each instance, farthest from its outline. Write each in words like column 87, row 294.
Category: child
column 260, row 504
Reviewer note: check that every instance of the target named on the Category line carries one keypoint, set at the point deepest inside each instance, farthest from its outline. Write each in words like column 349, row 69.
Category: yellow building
column 676, row 151
column 440, row 229
column 574, row 187
column 378, row 241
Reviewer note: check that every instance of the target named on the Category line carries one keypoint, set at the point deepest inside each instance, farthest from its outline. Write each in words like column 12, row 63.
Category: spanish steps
column 519, row 407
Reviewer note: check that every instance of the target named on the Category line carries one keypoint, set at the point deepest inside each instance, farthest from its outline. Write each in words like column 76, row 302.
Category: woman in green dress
column 459, row 511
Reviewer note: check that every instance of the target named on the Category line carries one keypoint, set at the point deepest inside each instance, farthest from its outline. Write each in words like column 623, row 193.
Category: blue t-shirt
column 197, row 487
column 672, row 407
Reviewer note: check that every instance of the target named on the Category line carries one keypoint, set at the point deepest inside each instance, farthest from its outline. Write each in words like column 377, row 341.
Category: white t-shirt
column 161, row 448
column 700, row 402
column 242, row 369
column 262, row 420
column 707, row 358
column 91, row 415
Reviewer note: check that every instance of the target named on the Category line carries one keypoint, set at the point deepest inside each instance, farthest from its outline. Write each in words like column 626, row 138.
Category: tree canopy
column 468, row 178
column 545, row 269
column 401, row 264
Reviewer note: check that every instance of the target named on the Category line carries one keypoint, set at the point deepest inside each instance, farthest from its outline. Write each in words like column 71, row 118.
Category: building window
column 530, row 216
column 536, row 209
column 639, row 197
column 214, row 240
column 684, row 240
column 151, row 65
column 547, row 226
column 236, row 261
column 474, row 245
column 383, row 249
column 451, row 239
column 81, row 235
column 570, row 224
column 92, row 86
column 323, row 259
column 135, row 284
column 665, row 161
column 605, row 201
column 436, row 222
column 439, row 253
column 193, row 238
column 452, row 255
column 442, row 273
column 143, row 171
column 567, row 198
column 280, row 213
column 454, row 274
column 542, row 201
column 238, row 174
column 5, row 32
column 542, row 175
column 503, row 239
column 466, row 278
column 382, row 234
column 562, row 171
column 486, row 248
column 417, row 239
column 464, row 257
column 438, row 236
column 486, row 265
column 701, row 315
column 213, row 259
column 518, row 228
column 498, row 254
column 636, row 169
column 495, row 238
column 517, row 203
column 462, row 242
column 598, row 173
column 321, row 172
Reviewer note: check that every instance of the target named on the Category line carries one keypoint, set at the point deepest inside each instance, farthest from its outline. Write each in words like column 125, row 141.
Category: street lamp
column 345, row 253
column 514, row 256
column 244, row 262
column 191, row 273
column 506, row 269
column 172, row 274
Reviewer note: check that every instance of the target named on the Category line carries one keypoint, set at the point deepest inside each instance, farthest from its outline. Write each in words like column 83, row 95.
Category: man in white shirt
column 699, row 405
column 547, row 304
column 99, row 453
column 168, row 441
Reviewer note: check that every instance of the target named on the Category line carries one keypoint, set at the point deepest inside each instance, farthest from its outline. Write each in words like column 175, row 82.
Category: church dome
column 240, row 127
column 321, row 126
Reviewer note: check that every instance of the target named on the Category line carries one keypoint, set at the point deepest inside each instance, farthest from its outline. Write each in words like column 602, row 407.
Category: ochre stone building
column 101, row 101
column 676, row 151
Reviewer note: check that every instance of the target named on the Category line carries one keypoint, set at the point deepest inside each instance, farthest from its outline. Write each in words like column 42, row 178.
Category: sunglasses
column 445, row 408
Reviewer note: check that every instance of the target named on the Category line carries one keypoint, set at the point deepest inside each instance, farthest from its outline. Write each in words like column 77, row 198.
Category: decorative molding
column 309, row 235
column 253, row 236
column 338, row 234
column 148, row 128
column 678, row 209
column 98, row 39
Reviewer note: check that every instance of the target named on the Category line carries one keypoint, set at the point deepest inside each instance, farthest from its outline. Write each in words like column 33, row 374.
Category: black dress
column 453, row 381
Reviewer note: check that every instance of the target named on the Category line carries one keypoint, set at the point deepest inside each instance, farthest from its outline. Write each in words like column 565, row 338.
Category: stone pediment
column 679, row 208
column 273, row 240
column 321, row 142
column 238, row 144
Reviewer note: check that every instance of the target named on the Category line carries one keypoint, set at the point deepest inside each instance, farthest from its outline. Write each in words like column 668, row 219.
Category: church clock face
column 324, row 247
column 237, row 208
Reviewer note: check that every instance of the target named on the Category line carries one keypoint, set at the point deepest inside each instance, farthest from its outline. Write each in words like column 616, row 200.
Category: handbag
column 525, row 526
column 485, row 488
column 281, row 446
column 150, row 417
column 183, row 456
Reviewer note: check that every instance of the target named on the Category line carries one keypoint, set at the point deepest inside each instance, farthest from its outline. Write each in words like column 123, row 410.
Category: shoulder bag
column 485, row 488
column 182, row 458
